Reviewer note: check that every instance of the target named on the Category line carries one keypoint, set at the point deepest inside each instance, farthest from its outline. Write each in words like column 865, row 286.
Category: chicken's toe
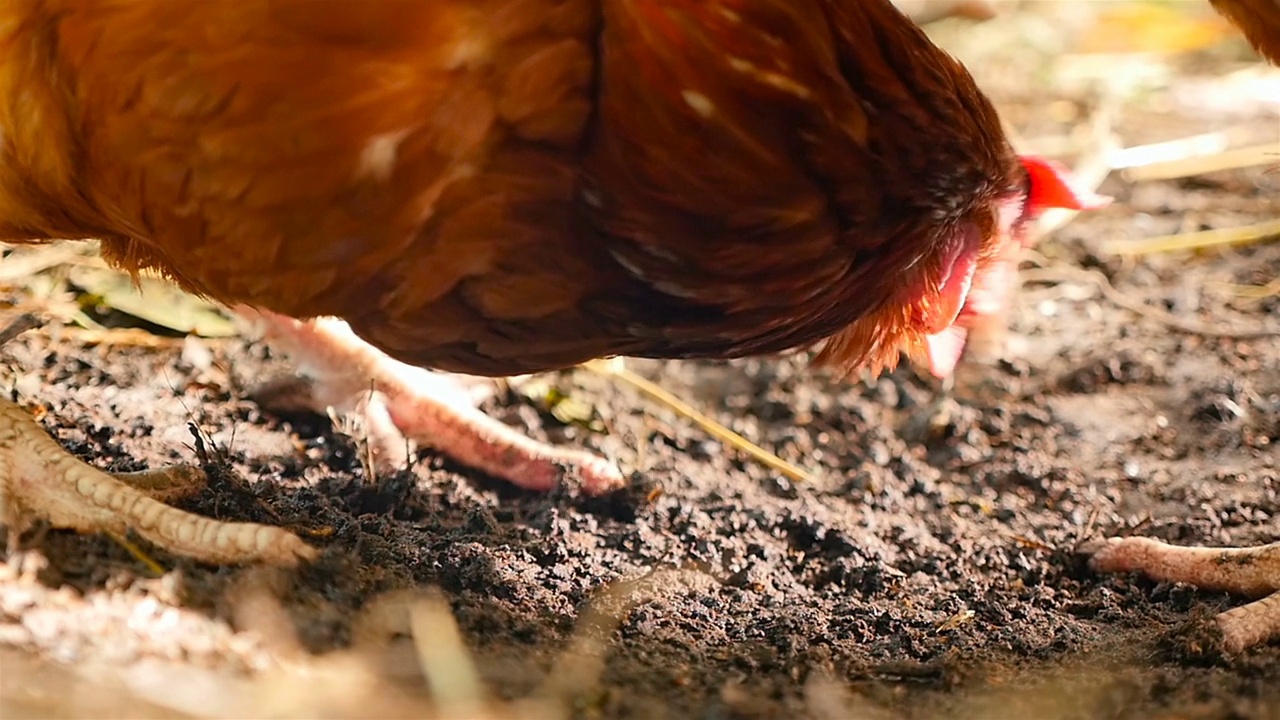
column 41, row 480
column 398, row 400
column 1252, row 572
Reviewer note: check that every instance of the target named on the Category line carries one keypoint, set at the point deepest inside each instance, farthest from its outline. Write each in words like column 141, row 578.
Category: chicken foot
column 1252, row 572
column 399, row 401
column 40, row 479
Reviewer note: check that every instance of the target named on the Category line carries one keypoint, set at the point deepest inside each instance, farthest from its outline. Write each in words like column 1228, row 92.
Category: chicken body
column 1253, row 572
column 508, row 186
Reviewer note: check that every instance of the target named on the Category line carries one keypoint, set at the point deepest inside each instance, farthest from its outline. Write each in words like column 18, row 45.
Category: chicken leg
column 1252, row 572
column 399, row 401
column 39, row 479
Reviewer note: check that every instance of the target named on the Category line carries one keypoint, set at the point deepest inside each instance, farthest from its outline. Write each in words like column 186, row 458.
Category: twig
column 1139, row 157
column 19, row 325
column 1252, row 293
column 446, row 663
column 614, row 368
column 36, row 259
column 123, row 337
column 138, row 554
column 581, row 664
column 1147, row 163
column 1060, row 273
column 1196, row 240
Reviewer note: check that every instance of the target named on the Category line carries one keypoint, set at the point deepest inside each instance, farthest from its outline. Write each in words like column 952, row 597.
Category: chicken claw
column 1252, row 572
column 39, row 479
column 399, row 401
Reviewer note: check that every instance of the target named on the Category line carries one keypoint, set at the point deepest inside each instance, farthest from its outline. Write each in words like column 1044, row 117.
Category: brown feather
column 1260, row 22
column 499, row 186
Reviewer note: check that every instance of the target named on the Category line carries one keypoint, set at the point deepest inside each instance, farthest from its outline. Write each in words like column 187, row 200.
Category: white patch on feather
column 770, row 78
column 470, row 51
column 427, row 198
column 663, row 286
column 700, row 103
column 378, row 158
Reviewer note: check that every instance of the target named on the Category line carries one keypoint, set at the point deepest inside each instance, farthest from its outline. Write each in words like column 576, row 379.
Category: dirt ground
column 927, row 572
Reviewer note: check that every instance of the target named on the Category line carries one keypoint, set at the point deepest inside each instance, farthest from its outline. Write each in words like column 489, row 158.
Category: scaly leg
column 39, row 479
column 1252, row 572
column 399, row 400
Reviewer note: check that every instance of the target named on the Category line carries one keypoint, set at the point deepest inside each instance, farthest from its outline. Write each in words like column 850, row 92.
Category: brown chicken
column 504, row 186
column 1253, row 572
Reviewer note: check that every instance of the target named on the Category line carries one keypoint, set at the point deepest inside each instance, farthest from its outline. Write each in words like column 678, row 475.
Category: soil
column 927, row 571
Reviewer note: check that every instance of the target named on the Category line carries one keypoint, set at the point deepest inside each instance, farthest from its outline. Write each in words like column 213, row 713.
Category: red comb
column 1052, row 186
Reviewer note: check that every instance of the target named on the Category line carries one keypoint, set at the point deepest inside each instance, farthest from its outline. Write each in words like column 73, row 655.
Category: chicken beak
column 943, row 339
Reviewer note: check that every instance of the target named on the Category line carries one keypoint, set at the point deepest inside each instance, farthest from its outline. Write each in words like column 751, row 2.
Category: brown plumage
column 504, row 186
column 1259, row 20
